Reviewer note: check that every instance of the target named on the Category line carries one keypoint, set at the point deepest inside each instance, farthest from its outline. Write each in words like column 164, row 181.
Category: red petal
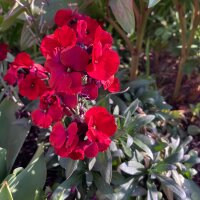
column 91, row 150
column 66, row 36
column 41, row 119
column 48, row 45
column 76, row 58
column 115, row 86
column 63, row 16
column 58, row 135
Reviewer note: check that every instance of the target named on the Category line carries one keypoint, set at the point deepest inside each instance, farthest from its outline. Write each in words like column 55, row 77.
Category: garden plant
column 99, row 99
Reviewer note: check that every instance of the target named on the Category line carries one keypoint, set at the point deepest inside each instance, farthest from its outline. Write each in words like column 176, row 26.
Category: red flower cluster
column 79, row 60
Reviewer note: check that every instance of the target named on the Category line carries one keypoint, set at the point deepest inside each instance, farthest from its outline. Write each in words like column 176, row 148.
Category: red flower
column 23, row 61
column 115, row 86
column 66, row 17
column 86, row 28
column 11, row 76
column 101, row 125
column 3, row 51
column 64, row 140
column 62, row 37
column 90, row 91
column 104, row 64
column 75, row 58
column 62, row 78
column 49, row 110
column 31, row 87
column 112, row 84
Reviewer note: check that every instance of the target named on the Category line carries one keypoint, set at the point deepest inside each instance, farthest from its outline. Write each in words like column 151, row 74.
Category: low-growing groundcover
column 81, row 116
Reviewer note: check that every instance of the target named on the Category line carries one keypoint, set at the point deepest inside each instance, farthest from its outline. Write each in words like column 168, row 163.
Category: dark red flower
column 104, row 64
column 86, row 28
column 63, row 79
column 62, row 37
column 75, row 58
column 112, row 84
column 115, row 86
column 101, row 125
column 66, row 17
column 90, row 91
column 31, row 87
column 64, row 140
column 11, row 76
column 3, row 51
column 49, row 111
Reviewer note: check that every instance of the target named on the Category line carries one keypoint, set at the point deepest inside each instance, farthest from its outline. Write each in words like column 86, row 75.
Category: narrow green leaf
column 104, row 164
column 132, row 107
column 3, row 167
column 172, row 185
column 105, row 191
column 175, row 157
column 132, row 167
column 63, row 190
column 5, row 193
column 192, row 189
column 152, row 193
column 30, row 179
column 69, row 165
column 144, row 147
column 123, row 12
column 10, row 19
column 152, row 3
column 13, row 132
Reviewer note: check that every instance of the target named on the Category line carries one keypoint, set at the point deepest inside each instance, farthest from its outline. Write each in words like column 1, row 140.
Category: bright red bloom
column 90, row 91
column 62, row 37
column 11, row 76
column 86, row 28
column 62, row 78
column 64, row 140
column 105, row 63
column 112, row 84
column 66, row 17
column 49, row 110
column 3, row 51
column 24, row 63
column 115, row 86
column 75, row 58
column 101, row 125
column 31, row 87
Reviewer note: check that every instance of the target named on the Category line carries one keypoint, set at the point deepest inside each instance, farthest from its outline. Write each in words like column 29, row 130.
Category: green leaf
column 3, row 167
column 175, row 157
column 125, row 190
column 132, row 107
column 5, row 193
column 152, row 193
column 10, row 19
column 105, row 191
column 126, row 149
column 193, row 130
column 132, row 167
column 123, row 12
column 26, row 183
column 104, row 164
column 63, row 190
column 144, row 147
column 152, row 3
column 69, row 165
column 160, row 167
column 172, row 185
column 13, row 132
column 192, row 189
column 27, row 39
